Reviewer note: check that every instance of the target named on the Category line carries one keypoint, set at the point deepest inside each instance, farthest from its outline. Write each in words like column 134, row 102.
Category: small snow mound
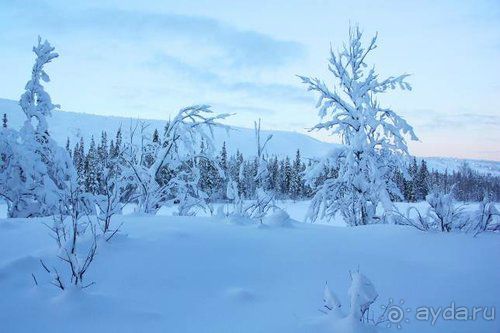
column 239, row 219
column 220, row 214
column 352, row 325
column 240, row 294
column 278, row 218
column 70, row 294
column 8, row 225
column 332, row 324
column 21, row 265
column 180, row 234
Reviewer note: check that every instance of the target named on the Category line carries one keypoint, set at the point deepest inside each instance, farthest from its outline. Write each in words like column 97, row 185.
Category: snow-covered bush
column 442, row 215
column 170, row 175
column 264, row 198
column 414, row 218
column 486, row 218
column 373, row 136
column 443, row 211
column 34, row 170
column 234, row 197
column 75, row 233
column 278, row 218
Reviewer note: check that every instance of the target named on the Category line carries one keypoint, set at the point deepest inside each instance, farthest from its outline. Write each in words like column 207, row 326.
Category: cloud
column 243, row 109
column 440, row 121
column 431, row 120
column 211, row 79
column 236, row 48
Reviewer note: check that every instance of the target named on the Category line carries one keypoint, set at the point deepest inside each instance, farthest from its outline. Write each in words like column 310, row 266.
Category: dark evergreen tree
column 79, row 163
column 91, row 171
column 118, row 144
column 296, row 177
column 156, row 137
column 223, row 157
column 68, row 148
column 273, row 168
column 102, row 162
column 210, row 179
column 422, row 182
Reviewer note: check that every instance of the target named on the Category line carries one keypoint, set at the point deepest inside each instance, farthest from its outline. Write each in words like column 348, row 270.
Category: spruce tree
column 156, row 137
column 296, row 177
column 288, row 175
column 79, row 163
column 118, row 144
column 223, row 157
column 422, row 186
column 68, row 148
column 413, row 181
column 91, row 172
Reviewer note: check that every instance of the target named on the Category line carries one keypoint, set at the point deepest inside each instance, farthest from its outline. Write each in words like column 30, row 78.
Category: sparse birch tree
column 177, row 157
column 264, row 199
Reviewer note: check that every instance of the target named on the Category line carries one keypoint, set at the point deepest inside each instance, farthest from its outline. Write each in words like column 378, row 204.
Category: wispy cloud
column 249, row 110
column 206, row 77
column 439, row 121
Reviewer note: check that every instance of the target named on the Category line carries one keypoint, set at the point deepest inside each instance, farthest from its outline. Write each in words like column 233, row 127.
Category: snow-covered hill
column 452, row 164
column 73, row 125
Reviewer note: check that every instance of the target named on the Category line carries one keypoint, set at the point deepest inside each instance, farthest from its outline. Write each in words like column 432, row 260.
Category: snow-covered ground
column 203, row 274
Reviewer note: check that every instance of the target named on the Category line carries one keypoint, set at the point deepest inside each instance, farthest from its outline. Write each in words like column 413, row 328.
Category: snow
column 203, row 274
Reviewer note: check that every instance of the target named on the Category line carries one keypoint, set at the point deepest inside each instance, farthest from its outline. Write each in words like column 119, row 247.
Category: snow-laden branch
column 172, row 175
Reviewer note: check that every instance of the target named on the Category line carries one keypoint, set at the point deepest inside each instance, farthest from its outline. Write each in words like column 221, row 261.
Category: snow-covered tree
column 174, row 176
column 296, row 180
column 91, row 169
column 35, row 169
column 210, row 179
column 373, row 136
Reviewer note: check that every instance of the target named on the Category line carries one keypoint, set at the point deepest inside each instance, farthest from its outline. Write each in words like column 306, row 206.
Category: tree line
column 286, row 175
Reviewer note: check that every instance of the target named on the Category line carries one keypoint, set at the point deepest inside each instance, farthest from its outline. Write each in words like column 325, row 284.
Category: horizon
column 308, row 134
column 274, row 131
column 138, row 60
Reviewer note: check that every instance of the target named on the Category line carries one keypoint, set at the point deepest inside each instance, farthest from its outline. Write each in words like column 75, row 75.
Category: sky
column 147, row 59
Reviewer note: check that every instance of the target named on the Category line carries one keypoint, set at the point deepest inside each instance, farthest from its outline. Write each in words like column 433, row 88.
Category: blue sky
column 149, row 58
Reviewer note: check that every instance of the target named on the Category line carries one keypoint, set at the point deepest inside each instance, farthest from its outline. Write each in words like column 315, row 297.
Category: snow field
column 203, row 274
